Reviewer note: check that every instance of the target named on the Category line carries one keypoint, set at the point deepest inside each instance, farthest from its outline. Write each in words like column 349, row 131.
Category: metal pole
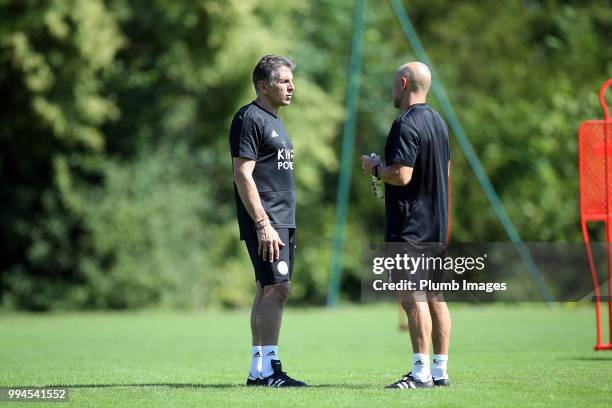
column 346, row 158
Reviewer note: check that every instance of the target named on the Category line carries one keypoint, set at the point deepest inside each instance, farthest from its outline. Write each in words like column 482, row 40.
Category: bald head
column 412, row 82
column 417, row 74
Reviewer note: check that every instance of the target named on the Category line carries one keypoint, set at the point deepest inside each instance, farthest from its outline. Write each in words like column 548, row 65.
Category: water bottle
column 377, row 184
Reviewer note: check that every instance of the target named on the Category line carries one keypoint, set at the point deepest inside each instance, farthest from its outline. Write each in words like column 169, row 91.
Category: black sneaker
column 253, row 382
column 280, row 378
column 442, row 382
column 408, row 382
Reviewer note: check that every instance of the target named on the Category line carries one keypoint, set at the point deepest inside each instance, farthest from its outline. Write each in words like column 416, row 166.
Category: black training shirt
column 418, row 212
column 259, row 135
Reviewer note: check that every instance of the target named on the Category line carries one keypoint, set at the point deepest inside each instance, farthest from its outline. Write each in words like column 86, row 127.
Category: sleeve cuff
column 249, row 156
column 405, row 162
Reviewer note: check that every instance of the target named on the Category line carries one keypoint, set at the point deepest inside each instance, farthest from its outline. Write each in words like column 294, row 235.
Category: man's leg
column 256, row 302
column 419, row 320
column 269, row 318
column 441, row 330
column 256, row 351
column 441, row 323
column 270, row 311
column 419, row 324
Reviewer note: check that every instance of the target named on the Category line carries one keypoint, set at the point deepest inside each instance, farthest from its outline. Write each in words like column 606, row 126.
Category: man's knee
column 435, row 297
column 412, row 306
column 408, row 303
column 283, row 290
column 410, row 300
column 279, row 290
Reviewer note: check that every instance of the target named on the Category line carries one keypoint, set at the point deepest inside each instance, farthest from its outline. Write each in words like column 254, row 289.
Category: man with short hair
column 417, row 162
column 262, row 157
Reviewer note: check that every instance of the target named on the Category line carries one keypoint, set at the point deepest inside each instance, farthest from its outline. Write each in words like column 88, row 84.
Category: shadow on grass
column 598, row 358
column 193, row 386
column 146, row 385
column 344, row 386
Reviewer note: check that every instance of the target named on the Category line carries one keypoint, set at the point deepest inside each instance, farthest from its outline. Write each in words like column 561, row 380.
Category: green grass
column 523, row 355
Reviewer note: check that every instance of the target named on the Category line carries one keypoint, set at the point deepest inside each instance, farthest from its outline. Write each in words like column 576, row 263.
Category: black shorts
column 269, row 273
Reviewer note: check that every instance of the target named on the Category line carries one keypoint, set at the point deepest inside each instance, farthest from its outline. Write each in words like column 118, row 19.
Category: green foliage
column 52, row 55
column 146, row 229
column 115, row 175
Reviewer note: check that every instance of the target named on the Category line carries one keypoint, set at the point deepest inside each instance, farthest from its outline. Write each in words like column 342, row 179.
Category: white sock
column 256, row 361
column 269, row 353
column 439, row 367
column 420, row 367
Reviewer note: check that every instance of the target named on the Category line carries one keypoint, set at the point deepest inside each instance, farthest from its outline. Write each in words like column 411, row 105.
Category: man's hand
column 269, row 243
column 368, row 162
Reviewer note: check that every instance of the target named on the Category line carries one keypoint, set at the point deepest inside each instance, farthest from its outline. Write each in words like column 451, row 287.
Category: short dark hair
column 267, row 66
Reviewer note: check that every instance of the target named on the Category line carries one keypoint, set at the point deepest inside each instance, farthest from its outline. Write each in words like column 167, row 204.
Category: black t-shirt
column 418, row 212
column 259, row 135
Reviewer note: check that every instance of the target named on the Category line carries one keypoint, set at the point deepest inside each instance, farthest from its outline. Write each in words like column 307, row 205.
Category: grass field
column 521, row 355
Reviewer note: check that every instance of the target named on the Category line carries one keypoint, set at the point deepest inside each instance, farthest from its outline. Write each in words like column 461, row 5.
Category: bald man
column 415, row 173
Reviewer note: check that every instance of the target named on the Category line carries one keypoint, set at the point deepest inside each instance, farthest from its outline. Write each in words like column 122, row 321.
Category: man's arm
column 243, row 177
column 396, row 174
column 269, row 241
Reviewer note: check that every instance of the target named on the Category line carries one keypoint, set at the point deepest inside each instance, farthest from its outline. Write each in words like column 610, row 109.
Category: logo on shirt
column 285, row 159
column 274, row 134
